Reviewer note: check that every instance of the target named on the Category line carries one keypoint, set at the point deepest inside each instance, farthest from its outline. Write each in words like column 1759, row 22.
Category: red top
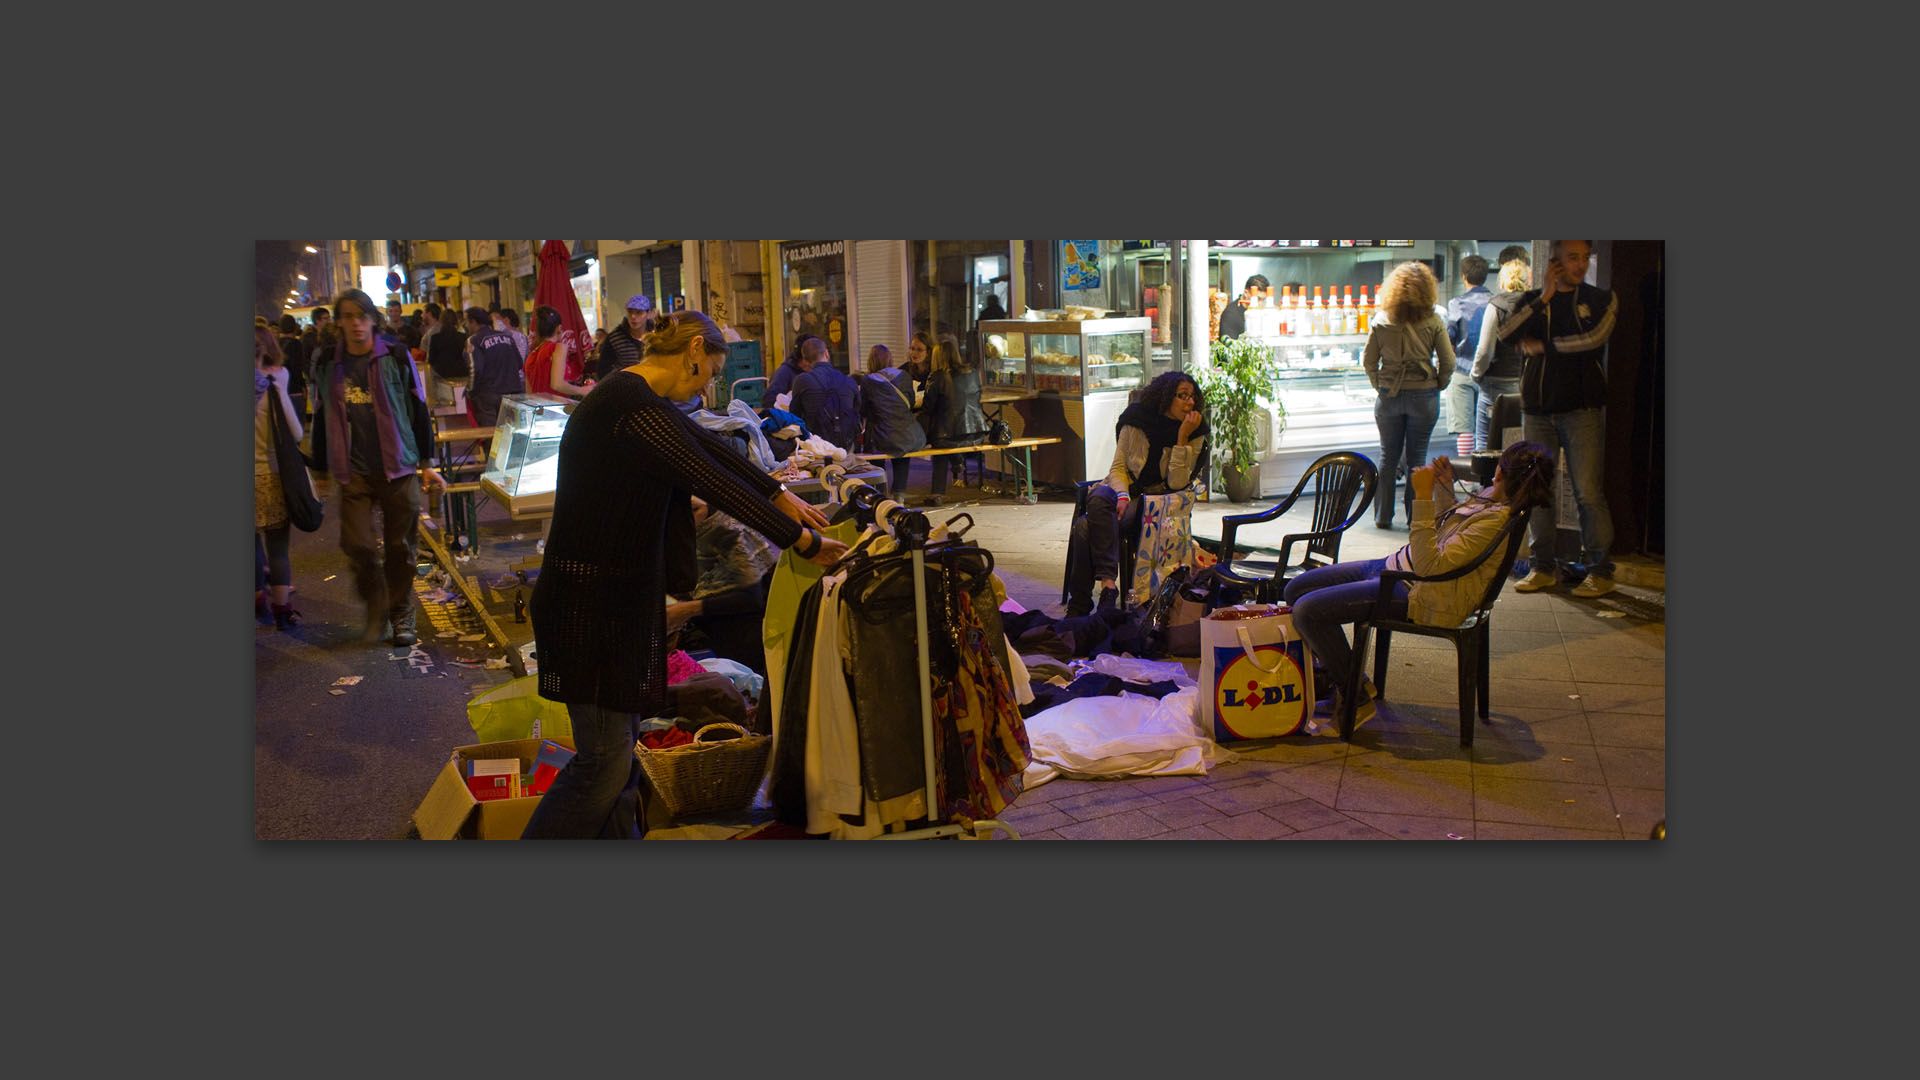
column 539, row 369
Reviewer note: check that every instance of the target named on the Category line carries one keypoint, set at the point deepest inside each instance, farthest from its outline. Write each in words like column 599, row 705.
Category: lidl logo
column 1260, row 695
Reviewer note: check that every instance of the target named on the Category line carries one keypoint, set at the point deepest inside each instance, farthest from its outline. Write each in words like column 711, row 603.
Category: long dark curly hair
column 1158, row 394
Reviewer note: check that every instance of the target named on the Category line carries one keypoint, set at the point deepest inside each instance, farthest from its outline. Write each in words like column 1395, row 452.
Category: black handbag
column 304, row 509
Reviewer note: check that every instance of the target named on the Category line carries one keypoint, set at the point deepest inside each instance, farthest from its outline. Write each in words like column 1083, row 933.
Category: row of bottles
column 1294, row 314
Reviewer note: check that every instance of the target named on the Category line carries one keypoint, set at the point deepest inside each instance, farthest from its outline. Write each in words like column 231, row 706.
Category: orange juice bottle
column 1365, row 313
column 1349, row 319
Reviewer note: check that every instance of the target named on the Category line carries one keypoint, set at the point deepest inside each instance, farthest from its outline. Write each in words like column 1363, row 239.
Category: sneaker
column 285, row 617
column 931, row 500
column 404, row 632
column 1362, row 712
column 1535, row 581
column 1596, row 584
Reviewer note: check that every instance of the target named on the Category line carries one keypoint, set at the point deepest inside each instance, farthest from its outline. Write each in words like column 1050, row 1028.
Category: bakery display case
column 1075, row 375
column 523, row 467
column 1070, row 357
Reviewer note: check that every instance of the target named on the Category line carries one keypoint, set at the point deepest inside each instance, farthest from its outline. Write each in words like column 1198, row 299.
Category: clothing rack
column 911, row 529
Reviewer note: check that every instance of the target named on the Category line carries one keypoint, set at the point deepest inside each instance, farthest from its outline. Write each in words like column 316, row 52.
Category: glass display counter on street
column 1067, row 379
column 524, row 465
column 523, row 468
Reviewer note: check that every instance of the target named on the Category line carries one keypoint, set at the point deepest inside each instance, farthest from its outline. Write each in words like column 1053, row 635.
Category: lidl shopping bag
column 1166, row 542
column 1256, row 675
column 516, row 710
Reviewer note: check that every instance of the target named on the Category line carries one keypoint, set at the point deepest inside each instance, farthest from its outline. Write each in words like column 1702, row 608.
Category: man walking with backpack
column 827, row 398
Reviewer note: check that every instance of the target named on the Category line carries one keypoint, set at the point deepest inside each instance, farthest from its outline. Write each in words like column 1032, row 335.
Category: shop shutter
column 879, row 300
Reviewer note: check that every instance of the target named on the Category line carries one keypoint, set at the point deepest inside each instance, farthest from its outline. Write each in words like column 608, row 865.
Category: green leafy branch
column 1233, row 380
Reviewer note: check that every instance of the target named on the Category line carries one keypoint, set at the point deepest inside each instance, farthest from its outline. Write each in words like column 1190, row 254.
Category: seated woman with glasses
column 1160, row 446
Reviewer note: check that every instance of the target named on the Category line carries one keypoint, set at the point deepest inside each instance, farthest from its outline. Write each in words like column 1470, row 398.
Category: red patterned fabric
column 983, row 747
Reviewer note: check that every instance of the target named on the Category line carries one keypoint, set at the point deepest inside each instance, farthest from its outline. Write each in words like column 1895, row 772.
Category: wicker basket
column 707, row 777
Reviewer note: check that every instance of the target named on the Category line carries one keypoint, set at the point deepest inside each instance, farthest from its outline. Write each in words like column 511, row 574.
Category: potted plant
column 1233, row 381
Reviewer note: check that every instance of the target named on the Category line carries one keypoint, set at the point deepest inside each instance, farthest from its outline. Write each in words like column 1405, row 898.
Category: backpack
column 838, row 423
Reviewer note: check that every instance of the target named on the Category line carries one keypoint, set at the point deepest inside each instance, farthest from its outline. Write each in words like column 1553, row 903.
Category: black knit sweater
column 622, row 538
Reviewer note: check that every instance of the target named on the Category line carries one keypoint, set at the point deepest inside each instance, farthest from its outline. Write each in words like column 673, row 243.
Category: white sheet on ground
column 1125, row 735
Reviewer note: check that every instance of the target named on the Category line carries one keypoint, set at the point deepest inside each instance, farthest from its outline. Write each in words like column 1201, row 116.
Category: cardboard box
column 450, row 811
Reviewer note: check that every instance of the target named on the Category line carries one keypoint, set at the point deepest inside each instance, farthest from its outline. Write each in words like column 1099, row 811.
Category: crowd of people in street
column 650, row 497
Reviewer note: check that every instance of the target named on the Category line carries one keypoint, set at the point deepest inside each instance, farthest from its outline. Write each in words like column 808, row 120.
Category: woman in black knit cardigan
column 620, row 542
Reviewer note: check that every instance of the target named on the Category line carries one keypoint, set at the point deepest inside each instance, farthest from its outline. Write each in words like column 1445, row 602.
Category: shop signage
column 446, row 277
column 815, row 251
column 1310, row 245
column 1080, row 264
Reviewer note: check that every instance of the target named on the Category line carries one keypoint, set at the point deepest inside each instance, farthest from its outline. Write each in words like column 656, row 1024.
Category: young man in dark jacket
column 1562, row 328
column 373, row 438
column 827, row 398
column 1233, row 318
column 496, row 367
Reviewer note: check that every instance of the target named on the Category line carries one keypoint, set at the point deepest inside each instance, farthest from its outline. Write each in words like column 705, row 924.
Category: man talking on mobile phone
column 1562, row 328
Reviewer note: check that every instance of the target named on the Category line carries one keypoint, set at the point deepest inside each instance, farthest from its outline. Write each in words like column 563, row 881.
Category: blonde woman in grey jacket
column 1408, row 359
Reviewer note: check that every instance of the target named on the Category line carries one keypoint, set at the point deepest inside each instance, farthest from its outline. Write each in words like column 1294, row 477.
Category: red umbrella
column 554, row 289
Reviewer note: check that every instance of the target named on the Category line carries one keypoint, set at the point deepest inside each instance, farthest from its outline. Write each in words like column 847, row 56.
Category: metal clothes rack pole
column 911, row 529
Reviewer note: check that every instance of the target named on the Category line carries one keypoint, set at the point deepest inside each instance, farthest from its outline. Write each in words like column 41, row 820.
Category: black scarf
column 1161, row 433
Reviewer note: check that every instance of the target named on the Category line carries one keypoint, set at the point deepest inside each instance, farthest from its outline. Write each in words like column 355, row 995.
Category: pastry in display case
column 523, row 467
column 1067, row 354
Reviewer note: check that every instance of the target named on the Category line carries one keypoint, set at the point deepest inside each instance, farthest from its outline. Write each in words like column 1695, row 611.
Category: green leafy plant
column 1234, row 379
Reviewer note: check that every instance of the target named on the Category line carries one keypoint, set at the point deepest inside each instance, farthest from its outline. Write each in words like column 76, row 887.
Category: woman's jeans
column 1325, row 600
column 1405, row 423
column 597, row 794
column 1490, row 388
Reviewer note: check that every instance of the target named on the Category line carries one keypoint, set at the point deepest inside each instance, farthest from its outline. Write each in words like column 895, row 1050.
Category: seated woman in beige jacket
column 1445, row 536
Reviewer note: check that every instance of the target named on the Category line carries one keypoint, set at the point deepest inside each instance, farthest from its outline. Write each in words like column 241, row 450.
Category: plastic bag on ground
column 509, row 711
column 1123, row 735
